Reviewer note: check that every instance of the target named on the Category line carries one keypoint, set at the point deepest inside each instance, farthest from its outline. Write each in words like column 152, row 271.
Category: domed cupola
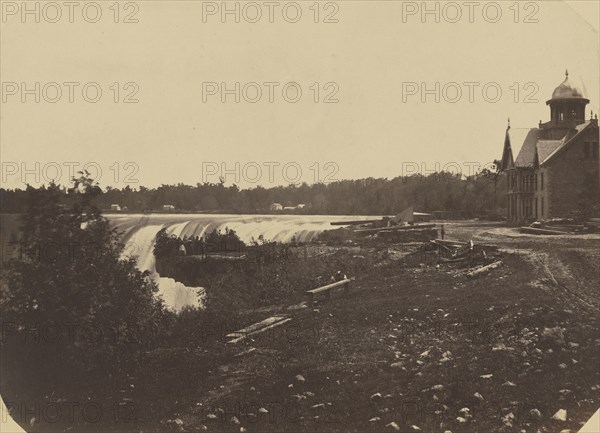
column 567, row 106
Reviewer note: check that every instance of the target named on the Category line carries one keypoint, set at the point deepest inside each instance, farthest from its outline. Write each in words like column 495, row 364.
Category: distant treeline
column 480, row 194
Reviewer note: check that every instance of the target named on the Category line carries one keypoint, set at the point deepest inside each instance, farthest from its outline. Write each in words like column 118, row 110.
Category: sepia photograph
column 310, row 216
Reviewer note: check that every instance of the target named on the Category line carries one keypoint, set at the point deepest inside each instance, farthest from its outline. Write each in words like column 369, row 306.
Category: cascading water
column 139, row 233
column 176, row 295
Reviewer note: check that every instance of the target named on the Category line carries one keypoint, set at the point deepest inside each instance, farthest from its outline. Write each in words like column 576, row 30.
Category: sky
column 385, row 90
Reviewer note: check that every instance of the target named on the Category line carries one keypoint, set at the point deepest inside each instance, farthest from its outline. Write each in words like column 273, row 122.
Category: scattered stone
column 211, row 416
column 508, row 419
column 375, row 419
column 263, row 410
column 554, row 335
column 242, row 430
column 317, row 406
column 234, row 420
column 460, row 419
column 486, row 376
column 300, row 378
column 508, row 383
column 376, row 397
column 415, row 428
column 437, row 388
column 560, row 415
column 478, row 396
column 393, row 426
column 535, row 414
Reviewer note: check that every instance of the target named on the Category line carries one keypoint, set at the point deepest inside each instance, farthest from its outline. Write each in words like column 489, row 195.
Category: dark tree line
column 480, row 194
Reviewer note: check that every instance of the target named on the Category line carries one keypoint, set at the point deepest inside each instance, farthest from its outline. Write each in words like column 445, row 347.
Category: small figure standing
column 443, row 232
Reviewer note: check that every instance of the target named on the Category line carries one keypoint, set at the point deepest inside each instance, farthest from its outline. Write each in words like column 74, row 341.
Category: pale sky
column 371, row 54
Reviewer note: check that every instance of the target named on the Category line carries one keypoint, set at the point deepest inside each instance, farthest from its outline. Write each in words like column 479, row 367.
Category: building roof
column 523, row 144
column 545, row 148
column 568, row 139
column 530, row 150
column 567, row 90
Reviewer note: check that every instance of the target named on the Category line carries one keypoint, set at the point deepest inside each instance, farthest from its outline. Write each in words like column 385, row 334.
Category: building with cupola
column 553, row 171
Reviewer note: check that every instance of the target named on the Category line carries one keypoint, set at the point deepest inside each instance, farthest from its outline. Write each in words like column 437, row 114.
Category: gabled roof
column 545, row 148
column 568, row 139
column 523, row 144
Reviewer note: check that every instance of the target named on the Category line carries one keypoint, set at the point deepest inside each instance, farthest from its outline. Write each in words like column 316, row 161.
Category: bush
column 74, row 310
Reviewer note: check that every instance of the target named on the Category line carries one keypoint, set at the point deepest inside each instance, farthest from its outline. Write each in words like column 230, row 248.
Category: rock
column 393, row 426
column 560, row 415
column 242, row 430
column 486, row 376
column 554, row 335
column 415, row 428
column 376, row 397
column 535, row 414
column 375, row 419
column 300, row 378
column 318, row 406
column 398, row 364
column 478, row 396
column 234, row 420
column 501, row 347
column 309, row 394
column 508, row 419
column 562, row 365
column 508, row 383
column 263, row 410
column 211, row 416
column 437, row 388
column 460, row 419
column 424, row 354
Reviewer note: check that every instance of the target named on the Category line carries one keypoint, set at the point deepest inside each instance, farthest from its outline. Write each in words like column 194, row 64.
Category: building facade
column 556, row 171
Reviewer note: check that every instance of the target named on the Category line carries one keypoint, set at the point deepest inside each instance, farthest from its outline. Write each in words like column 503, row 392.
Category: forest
column 478, row 195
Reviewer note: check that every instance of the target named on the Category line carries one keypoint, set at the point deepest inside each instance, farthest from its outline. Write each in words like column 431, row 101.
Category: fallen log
column 395, row 228
column 534, row 231
column 257, row 328
column 484, row 270
column 354, row 223
column 450, row 242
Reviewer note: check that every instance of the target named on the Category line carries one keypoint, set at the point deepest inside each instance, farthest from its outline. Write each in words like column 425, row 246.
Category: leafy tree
column 74, row 310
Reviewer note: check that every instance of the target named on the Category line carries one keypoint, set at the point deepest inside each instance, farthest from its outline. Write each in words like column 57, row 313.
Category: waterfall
column 139, row 232
column 176, row 295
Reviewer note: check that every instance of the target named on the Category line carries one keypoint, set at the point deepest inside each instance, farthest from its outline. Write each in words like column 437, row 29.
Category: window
column 542, row 208
column 536, row 207
column 595, row 151
column 562, row 116
column 542, row 187
column 586, row 150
